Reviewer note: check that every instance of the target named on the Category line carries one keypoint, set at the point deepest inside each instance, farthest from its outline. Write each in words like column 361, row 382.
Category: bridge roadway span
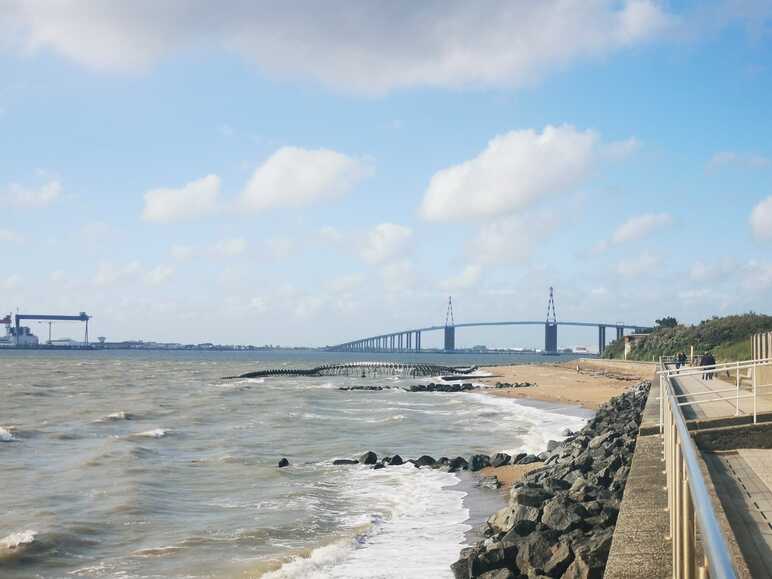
column 410, row 340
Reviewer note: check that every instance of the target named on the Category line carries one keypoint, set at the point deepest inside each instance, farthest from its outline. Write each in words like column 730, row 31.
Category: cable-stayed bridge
column 410, row 340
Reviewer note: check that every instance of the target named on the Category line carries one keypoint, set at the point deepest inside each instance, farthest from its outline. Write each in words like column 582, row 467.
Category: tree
column 667, row 322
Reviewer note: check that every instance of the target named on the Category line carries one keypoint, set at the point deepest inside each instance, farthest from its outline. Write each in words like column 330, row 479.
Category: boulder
column 396, row 460
column 497, row 574
column 518, row 457
column 490, row 482
column 458, row 463
column 368, row 458
column 500, row 459
column 561, row 557
column 531, row 496
column 378, row 466
column 528, row 459
column 425, row 460
column 562, row 514
column 479, row 462
column 283, row 462
column 345, row 461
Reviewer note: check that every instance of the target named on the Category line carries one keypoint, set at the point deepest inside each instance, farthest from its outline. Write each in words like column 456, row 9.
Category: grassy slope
column 728, row 338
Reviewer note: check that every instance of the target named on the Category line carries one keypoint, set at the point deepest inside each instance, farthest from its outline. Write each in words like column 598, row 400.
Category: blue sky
column 313, row 173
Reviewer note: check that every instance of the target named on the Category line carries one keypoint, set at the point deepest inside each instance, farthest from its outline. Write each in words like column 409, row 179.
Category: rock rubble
column 560, row 518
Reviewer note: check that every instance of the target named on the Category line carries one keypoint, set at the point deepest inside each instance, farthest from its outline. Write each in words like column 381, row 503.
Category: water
column 148, row 464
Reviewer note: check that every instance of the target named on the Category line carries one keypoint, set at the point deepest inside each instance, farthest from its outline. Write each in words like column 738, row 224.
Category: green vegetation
column 728, row 338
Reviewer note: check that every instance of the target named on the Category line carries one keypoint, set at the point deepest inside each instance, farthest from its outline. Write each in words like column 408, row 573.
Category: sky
column 307, row 173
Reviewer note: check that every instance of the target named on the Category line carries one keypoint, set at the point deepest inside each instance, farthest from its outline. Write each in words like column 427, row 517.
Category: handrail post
column 737, row 403
column 754, row 393
column 678, row 552
column 688, row 528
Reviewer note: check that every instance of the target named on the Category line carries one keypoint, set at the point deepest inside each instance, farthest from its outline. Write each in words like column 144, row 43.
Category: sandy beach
column 595, row 382
column 588, row 383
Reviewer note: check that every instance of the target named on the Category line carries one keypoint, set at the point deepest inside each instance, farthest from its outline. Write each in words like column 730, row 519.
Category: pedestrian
column 678, row 361
column 711, row 362
column 704, row 362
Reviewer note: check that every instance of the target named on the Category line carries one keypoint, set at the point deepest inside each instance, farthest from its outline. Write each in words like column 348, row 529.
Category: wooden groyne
column 363, row 369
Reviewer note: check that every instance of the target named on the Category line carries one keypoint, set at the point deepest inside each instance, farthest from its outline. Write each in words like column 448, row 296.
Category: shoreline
column 588, row 383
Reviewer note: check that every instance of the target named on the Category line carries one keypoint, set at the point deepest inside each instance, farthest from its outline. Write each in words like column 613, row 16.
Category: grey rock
column 345, row 461
column 396, row 460
column 490, row 482
column 425, row 460
column 500, row 459
column 283, row 462
column 368, row 458
column 479, row 462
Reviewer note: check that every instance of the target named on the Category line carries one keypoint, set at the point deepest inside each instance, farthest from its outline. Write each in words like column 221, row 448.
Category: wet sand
column 595, row 382
column 510, row 473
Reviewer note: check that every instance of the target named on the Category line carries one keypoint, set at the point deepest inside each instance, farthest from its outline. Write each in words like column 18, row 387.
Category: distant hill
column 728, row 338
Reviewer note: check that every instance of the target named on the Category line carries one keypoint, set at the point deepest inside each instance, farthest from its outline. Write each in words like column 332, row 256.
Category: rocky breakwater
column 431, row 387
column 560, row 518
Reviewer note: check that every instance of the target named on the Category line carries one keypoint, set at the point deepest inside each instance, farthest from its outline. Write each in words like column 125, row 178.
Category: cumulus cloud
column 11, row 282
column 109, row 273
column 514, row 171
column 193, row 200
column 367, row 47
column 742, row 160
column 29, row 197
column 761, row 220
column 386, row 242
column 295, row 177
column 511, row 240
column 159, row 275
column 645, row 263
column 228, row 247
column 634, row 229
column 466, row 278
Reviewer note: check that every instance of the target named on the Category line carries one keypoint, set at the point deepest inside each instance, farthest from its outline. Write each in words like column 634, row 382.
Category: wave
column 154, row 433
column 7, row 435
column 16, row 545
column 116, row 416
column 413, row 512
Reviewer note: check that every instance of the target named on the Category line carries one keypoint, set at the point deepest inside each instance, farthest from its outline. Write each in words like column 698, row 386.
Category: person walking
column 711, row 362
column 704, row 362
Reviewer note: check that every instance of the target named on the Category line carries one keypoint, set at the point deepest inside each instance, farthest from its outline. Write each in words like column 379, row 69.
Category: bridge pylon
column 450, row 328
column 551, row 326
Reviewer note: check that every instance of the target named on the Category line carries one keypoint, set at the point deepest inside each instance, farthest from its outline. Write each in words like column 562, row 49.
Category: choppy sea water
column 126, row 464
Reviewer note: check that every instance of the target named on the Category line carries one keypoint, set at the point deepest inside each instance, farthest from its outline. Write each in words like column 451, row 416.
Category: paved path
column 696, row 385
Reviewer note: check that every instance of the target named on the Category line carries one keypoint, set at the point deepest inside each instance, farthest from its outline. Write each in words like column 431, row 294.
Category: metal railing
column 751, row 366
column 689, row 503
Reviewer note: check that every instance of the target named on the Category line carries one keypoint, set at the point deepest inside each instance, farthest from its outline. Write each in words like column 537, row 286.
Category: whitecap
column 154, row 433
column 16, row 544
column 7, row 435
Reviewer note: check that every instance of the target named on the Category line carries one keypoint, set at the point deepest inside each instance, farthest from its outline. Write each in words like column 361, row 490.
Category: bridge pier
column 450, row 339
column 550, row 337
column 601, row 340
column 620, row 333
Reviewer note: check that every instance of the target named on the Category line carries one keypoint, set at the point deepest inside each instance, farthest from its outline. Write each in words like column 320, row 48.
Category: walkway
column 696, row 385
column 742, row 476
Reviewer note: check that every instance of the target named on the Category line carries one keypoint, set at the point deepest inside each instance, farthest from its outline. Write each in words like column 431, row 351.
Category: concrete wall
column 762, row 348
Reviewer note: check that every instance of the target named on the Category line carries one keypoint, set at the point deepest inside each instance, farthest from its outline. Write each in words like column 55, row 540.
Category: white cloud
column 8, row 235
column 345, row 283
column 468, row 277
column 25, row 197
column 743, row 160
column 159, row 275
column 193, row 200
column 398, row 276
column 365, row 47
column 386, row 242
column 761, row 220
column 511, row 240
column 645, row 263
column 182, row 252
column 634, row 229
column 279, row 247
column 701, row 272
column 109, row 274
column 514, row 171
column 295, row 177
column 228, row 247
column 11, row 282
